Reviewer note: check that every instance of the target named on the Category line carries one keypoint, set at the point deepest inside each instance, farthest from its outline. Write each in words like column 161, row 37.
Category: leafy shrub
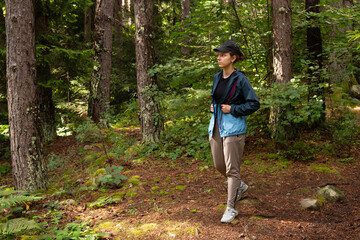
column 88, row 131
column 299, row 151
column 296, row 111
column 113, row 176
column 345, row 129
column 74, row 231
column 55, row 161
column 186, row 132
column 4, row 168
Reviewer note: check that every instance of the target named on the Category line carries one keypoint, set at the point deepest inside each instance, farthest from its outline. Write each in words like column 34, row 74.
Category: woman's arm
column 251, row 101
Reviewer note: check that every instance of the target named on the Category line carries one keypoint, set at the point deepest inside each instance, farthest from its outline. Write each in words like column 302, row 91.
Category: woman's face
column 225, row 59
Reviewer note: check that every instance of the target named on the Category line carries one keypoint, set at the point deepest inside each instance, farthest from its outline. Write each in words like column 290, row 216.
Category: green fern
column 10, row 198
column 16, row 225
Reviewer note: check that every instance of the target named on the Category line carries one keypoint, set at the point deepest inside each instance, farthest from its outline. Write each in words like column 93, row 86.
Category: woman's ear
column 233, row 58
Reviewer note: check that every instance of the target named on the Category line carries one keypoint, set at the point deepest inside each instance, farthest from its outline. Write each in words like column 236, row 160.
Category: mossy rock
column 330, row 193
column 101, row 160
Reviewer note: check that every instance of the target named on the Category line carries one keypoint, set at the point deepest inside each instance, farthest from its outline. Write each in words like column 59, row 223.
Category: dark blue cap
column 230, row 46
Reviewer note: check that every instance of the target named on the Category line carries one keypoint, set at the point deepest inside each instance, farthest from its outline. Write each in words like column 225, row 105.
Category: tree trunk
column 127, row 11
column 117, row 21
column 283, row 57
column 87, row 23
column 28, row 165
column 117, row 32
column 282, row 62
column 185, row 7
column 100, row 81
column 339, row 59
column 2, row 55
column 314, row 46
column 2, row 35
column 151, row 121
column 46, row 104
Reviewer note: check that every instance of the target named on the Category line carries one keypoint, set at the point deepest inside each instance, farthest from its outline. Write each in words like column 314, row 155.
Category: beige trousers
column 227, row 153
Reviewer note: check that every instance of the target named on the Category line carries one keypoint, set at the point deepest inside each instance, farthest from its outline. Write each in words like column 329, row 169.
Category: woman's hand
column 225, row 108
column 212, row 108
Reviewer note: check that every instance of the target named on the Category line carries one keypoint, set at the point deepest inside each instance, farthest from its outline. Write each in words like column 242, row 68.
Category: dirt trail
column 185, row 199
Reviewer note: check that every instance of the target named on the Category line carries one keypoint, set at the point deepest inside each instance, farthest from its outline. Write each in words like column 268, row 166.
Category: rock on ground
column 331, row 194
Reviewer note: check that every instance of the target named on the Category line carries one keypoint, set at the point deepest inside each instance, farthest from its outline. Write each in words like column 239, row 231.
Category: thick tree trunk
column 46, row 105
column 28, row 164
column 185, row 7
column 283, row 57
column 314, row 46
column 100, row 82
column 151, row 121
column 282, row 62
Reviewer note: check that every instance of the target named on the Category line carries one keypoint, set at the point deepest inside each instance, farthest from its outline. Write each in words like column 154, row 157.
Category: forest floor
column 185, row 198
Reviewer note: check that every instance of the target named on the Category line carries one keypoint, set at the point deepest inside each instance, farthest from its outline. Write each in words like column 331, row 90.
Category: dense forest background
column 154, row 72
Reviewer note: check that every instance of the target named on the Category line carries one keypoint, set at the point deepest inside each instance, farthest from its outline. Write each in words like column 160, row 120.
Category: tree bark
column 28, row 165
column 282, row 62
column 127, row 11
column 283, row 57
column 185, row 7
column 100, row 82
column 314, row 46
column 151, row 121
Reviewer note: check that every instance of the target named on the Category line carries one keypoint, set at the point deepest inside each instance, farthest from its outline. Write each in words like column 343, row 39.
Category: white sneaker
column 242, row 189
column 229, row 215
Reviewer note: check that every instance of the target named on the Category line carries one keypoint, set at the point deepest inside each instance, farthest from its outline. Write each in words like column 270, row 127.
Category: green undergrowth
column 102, row 180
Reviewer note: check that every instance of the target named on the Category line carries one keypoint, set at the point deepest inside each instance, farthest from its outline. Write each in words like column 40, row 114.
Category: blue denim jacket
column 243, row 102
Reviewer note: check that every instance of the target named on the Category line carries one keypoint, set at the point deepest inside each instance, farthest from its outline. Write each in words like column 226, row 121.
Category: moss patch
column 323, row 168
column 134, row 180
column 180, row 188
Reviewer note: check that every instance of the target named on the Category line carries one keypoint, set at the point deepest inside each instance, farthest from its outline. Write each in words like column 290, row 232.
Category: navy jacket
column 243, row 102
